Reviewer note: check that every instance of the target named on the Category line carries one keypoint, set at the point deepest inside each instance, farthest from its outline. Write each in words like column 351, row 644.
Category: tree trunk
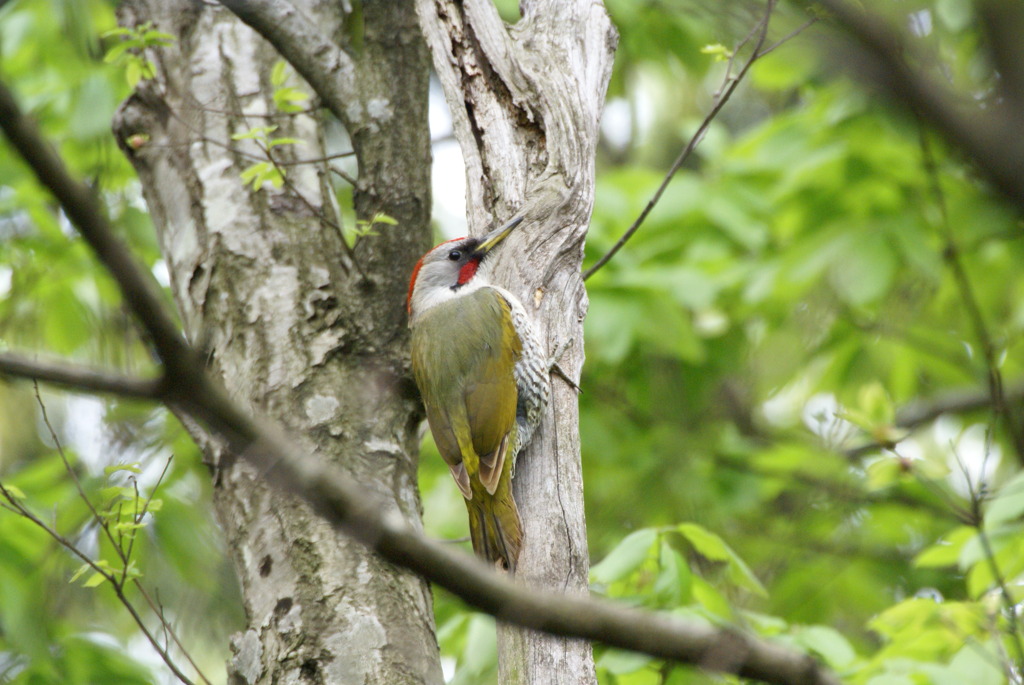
column 526, row 101
column 296, row 327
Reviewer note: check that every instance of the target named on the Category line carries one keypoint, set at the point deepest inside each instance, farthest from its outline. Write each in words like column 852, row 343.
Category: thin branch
column 78, row 378
column 279, row 166
column 725, row 92
column 788, row 37
column 123, row 555
column 1008, row 602
column 234, row 149
column 951, row 255
column 13, row 504
column 917, row 414
column 957, row 402
column 354, row 510
column 169, row 631
column 139, row 515
column 327, row 68
column 71, row 472
column 319, row 213
column 1009, row 605
column 344, row 175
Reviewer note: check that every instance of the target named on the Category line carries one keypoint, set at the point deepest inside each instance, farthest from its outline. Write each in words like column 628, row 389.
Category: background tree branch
column 888, row 58
column 78, row 378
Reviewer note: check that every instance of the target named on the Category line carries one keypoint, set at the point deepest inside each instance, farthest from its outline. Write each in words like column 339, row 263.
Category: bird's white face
column 453, row 269
column 450, row 270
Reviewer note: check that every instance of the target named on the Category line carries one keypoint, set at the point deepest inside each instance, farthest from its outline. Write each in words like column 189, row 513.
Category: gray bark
column 526, row 101
column 291, row 326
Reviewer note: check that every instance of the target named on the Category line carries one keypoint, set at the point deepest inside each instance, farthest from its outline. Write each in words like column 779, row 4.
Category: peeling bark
column 526, row 101
column 296, row 329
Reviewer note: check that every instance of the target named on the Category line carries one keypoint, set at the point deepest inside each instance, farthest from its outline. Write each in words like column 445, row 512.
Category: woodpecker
column 484, row 382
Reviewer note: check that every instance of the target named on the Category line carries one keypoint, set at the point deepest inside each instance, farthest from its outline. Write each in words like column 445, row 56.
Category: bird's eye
column 455, row 255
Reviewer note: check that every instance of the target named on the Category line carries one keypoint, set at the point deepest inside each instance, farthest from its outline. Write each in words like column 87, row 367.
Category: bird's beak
column 497, row 235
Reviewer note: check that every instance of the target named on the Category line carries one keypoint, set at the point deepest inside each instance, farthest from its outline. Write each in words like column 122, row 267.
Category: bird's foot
column 553, row 366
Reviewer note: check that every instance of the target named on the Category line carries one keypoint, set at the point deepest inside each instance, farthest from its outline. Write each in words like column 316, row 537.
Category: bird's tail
column 495, row 528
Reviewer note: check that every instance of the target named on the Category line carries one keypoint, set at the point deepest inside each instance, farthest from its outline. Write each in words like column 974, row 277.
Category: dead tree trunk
column 298, row 327
column 526, row 100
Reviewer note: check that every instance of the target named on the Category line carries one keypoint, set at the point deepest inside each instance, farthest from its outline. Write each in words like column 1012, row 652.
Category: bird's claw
column 553, row 366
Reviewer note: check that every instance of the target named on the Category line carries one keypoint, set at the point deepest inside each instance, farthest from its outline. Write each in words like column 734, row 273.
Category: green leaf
column 154, row 38
column 286, row 99
column 250, row 173
column 134, row 467
column 255, row 132
column 827, row 643
column 279, row 73
column 710, row 598
column 626, row 557
column 1008, row 503
column 977, row 665
column 128, row 526
column 884, row 472
column 81, row 571
column 674, row 581
column 133, row 72
column 945, row 552
column 274, row 142
column 260, row 173
column 381, row 218
column 14, row 491
column 115, row 32
column 116, row 52
column 719, row 51
column 715, row 549
column 619, row 661
column 1007, row 559
column 95, row 580
column 705, row 542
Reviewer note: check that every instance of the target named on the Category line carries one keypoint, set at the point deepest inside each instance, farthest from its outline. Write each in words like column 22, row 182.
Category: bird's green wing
column 464, row 353
column 490, row 388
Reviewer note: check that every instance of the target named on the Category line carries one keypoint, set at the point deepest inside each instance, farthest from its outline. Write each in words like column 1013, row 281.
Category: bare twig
column 14, row 505
column 234, row 149
column 71, row 471
column 788, row 37
column 78, row 378
column 279, row 167
column 725, row 91
column 344, row 175
column 326, row 67
column 123, row 555
column 918, row 414
column 951, row 255
column 319, row 213
column 1009, row 605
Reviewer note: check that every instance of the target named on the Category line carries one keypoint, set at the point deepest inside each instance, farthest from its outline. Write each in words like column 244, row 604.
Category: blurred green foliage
column 750, row 354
